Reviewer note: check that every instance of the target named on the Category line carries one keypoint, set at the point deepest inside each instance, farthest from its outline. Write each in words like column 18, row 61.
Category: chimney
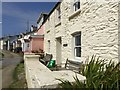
column 33, row 28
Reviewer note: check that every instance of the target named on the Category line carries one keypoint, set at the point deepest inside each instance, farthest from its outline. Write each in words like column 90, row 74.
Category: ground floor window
column 77, row 45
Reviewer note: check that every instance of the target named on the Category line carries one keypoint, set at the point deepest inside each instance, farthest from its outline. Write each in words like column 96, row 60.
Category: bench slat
column 72, row 65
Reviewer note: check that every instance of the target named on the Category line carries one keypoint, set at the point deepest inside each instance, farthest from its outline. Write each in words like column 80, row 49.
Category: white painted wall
column 98, row 23
column 1, row 44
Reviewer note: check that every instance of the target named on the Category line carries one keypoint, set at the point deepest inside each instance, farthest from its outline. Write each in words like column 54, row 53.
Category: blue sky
column 0, row 18
column 16, row 14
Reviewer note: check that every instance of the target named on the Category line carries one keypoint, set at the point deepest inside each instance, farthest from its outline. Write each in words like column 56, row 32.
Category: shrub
column 99, row 76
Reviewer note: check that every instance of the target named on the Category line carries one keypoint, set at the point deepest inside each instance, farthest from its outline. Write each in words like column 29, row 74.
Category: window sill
column 74, row 14
column 58, row 24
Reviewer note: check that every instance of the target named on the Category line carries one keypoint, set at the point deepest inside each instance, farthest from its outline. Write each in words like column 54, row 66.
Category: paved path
column 8, row 66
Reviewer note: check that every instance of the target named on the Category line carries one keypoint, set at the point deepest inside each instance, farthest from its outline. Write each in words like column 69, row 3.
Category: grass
column 19, row 77
column 99, row 76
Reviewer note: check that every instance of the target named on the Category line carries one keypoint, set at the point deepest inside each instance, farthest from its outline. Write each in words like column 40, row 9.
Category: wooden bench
column 73, row 65
column 70, row 65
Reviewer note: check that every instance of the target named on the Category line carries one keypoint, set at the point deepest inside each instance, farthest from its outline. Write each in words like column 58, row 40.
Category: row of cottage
column 30, row 41
column 77, row 29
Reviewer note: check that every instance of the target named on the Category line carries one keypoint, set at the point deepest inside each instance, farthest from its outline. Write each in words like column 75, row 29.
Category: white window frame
column 75, row 57
column 76, row 5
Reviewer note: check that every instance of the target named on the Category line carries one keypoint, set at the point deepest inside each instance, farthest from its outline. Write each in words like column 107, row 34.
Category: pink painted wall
column 37, row 43
column 41, row 30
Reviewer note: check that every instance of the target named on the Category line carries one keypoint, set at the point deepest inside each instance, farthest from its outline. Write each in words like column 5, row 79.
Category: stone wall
column 98, row 23
column 39, row 76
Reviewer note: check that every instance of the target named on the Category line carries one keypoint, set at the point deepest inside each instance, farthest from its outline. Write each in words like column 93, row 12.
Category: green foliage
column 19, row 69
column 19, row 77
column 99, row 76
column 66, row 85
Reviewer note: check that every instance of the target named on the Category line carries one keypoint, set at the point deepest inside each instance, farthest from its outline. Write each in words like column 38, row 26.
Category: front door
column 58, row 50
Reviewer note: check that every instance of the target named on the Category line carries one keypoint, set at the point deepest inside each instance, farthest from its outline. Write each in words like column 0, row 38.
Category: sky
column 0, row 19
column 16, row 14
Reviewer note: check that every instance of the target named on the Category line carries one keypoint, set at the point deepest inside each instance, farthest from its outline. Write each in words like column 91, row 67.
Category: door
column 58, row 50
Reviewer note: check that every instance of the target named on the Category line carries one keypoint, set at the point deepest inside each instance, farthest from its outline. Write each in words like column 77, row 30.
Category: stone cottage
column 78, row 29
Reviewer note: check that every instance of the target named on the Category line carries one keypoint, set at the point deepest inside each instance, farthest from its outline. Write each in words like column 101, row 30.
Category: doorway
column 58, row 50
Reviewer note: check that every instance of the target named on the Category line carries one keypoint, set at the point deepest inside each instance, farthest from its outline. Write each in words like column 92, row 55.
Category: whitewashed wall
column 98, row 23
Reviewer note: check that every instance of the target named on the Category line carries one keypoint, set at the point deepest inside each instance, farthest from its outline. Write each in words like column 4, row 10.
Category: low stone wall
column 39, row 76
column 28, row 67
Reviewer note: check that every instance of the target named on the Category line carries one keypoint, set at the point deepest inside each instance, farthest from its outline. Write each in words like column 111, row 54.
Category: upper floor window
column 48, row 22
column 58, row 13
column 76, row 5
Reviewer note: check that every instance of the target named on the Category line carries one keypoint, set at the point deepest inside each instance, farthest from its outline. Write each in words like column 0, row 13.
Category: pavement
column 7, row 66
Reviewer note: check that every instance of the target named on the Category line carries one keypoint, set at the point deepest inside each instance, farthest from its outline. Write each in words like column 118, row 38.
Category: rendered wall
column 36, row 44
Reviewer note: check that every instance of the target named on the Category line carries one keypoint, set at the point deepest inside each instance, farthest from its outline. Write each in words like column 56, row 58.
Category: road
column 8, row 66
column 10, row 61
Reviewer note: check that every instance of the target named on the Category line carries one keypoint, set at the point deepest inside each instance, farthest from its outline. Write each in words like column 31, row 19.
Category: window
column 76, row 5
column 77, row 45
column 48, row 21
column 58, row 13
